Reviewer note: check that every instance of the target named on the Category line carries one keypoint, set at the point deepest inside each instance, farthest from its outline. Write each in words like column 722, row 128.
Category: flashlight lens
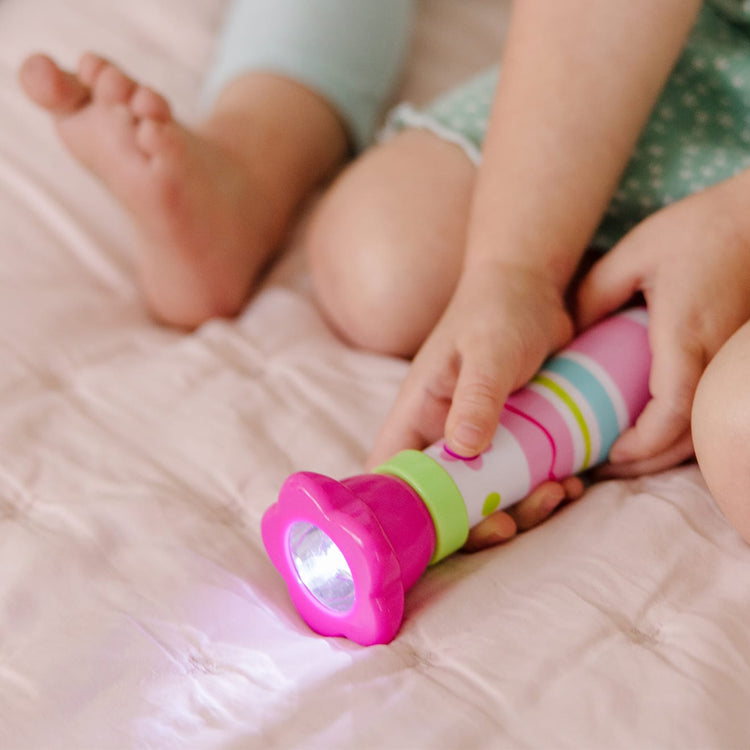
column 321, row 566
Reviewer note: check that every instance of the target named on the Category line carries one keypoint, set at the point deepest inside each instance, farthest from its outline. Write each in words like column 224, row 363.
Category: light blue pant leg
column 349, row 51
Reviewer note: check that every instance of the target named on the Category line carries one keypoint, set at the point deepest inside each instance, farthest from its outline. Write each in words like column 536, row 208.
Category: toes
column 89, row 67
column 148, row 136
column 146, row 103
column 51, row 87
column 162, row 139
column 108, row 84
column 112, row 86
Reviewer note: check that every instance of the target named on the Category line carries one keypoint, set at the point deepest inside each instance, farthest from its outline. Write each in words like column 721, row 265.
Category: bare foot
column 198, row 208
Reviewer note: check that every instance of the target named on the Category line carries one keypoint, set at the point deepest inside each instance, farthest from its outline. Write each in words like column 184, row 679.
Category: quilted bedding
column 138, row 608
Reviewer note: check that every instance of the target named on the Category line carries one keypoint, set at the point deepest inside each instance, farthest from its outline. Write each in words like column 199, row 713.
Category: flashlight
column 349, row 550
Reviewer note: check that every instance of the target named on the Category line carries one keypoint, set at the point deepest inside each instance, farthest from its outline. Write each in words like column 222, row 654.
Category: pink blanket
column 137, row 606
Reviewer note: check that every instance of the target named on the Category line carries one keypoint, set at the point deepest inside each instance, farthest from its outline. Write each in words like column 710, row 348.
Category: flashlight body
column 562, row 423
column 348, row 550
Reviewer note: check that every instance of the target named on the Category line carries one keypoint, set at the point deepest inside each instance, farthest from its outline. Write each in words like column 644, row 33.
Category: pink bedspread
column 137, row 606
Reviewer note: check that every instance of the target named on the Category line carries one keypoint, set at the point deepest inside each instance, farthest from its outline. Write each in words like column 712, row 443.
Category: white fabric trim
column 407, row 116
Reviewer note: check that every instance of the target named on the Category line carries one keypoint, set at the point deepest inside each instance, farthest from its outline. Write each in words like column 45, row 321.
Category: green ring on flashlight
column 440, row 495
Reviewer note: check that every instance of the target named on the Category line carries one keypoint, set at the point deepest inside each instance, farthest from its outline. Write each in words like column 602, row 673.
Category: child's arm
column 579, row 79
column 692, row 262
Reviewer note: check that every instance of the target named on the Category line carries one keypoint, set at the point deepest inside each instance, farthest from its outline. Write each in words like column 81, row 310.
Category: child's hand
column 501, row 324
column 691, row 260
column 502, row 526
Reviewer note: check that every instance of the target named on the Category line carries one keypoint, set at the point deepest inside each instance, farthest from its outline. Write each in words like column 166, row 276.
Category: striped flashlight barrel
column 564, row 421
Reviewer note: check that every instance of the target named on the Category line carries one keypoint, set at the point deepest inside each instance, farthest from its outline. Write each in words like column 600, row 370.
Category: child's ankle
column 277, row 126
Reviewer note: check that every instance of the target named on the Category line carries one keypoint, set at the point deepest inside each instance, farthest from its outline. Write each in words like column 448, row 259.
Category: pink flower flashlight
column 349, row 550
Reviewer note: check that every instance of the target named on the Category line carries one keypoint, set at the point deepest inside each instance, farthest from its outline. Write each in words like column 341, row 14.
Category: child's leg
column 213, row 203
column 210, row 205
column 386, row 244
column 351, row 52
column 721, row 429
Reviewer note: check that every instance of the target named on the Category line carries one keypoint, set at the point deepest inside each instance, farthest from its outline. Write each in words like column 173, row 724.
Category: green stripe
column 565, row 397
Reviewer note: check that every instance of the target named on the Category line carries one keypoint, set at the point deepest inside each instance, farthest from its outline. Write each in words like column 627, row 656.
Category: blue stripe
column 596, row 396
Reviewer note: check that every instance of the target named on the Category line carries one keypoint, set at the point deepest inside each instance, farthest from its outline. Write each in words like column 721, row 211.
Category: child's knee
column 721, row 429
column 351, row 268
column 365, row 262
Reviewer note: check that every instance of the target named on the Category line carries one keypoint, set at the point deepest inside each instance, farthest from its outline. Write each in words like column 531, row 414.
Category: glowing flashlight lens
column 321, row 566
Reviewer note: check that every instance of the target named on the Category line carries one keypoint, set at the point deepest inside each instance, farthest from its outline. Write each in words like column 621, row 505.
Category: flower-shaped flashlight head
column 349, row 550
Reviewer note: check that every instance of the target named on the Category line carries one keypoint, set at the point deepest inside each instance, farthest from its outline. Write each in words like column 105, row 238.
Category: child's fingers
column 495, row 529
column 396, row 435
column 610, row 283
column 544, row 501
column 405, row 427
column 538, row 506
column 478, row 399
column 676, row 369
column 657, row 429
column 674, row 455
column 502, row 526
column 418, row 415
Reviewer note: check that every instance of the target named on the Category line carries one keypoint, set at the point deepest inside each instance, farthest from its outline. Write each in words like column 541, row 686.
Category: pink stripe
column 534, row 444
column 620, row 346
column 511, row 408
column 544, row 413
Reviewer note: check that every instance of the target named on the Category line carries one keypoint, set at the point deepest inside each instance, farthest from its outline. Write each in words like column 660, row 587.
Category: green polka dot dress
column 698, row 134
